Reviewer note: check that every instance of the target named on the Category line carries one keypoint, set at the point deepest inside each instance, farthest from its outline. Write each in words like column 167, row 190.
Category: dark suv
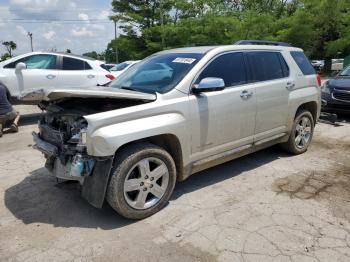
column 336, row 92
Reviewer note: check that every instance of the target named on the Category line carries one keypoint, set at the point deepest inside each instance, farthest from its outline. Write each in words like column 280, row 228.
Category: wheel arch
column 310, row 106
column 169, row 143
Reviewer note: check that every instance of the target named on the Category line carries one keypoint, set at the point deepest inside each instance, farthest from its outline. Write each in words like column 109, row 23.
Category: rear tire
column 301, row 134
column 142, row 181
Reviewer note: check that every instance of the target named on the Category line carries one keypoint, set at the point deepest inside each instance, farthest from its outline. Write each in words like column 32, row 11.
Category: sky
column 78, row 25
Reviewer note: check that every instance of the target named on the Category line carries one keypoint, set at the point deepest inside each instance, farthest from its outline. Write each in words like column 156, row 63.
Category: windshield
column 158, row 73
column 346, row 72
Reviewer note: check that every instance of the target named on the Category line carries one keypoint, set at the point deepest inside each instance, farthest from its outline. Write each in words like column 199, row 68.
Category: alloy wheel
column 303, row 132
column 146, row 183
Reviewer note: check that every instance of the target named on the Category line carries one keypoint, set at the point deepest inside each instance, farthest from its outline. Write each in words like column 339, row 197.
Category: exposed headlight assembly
column 79, row 138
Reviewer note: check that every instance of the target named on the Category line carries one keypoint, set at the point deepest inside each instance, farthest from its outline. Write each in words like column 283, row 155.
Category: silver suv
column 176, row 113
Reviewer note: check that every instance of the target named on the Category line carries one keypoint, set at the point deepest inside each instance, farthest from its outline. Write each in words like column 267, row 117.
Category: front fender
column 106, row 140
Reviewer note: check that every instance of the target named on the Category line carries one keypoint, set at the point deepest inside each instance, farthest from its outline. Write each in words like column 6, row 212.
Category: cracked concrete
column 268, row 206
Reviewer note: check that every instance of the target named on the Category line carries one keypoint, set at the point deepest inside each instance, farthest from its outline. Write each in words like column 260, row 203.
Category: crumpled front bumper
column 94, row 186
column 44, row 147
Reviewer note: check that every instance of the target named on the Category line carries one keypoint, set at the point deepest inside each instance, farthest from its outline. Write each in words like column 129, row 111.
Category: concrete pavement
column 268, row 206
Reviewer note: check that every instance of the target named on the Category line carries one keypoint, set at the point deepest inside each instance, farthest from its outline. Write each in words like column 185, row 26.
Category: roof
column 194, row 49
column 62, row 53
column 206, row 49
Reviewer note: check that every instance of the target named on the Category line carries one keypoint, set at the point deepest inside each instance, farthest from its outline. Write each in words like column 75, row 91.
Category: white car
column 46, row 70
column 118, row 69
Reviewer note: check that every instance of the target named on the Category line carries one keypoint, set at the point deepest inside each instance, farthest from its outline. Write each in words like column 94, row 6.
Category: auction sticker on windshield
column 184, row 60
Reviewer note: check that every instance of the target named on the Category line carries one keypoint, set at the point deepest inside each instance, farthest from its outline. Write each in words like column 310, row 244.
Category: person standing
column 8, row 116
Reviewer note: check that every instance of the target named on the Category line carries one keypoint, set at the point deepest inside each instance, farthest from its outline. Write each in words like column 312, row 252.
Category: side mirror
column 209, row 84
column 21, row 66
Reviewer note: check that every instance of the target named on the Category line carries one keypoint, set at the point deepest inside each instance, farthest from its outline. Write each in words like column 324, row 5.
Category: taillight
column 110, row 77
column 318, row 78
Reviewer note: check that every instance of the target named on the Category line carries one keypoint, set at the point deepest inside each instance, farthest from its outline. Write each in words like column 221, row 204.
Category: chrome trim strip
column 345, row 101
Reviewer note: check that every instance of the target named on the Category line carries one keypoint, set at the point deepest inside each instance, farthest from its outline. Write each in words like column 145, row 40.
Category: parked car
column 122, row 67
column 318, row 64
column 337, row 64
column 51, row 70
column 108, row 66
column 131, row 141
column 336, row 92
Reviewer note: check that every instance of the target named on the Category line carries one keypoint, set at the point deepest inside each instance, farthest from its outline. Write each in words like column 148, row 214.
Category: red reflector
column 318, row 78
column 110, row 77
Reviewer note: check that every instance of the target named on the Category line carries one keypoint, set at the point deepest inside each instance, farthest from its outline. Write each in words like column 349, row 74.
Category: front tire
column 301, row 134
column 142, row 181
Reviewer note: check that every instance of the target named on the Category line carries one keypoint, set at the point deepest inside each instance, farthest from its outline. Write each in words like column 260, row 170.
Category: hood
column 343, row 82
column 39, row 95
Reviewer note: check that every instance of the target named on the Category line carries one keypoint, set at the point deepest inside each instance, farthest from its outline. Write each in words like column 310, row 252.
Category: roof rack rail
column 261, row 42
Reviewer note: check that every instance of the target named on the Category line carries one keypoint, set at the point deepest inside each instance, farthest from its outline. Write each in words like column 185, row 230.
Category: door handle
column 246, row 95
column 90, row 76
column 50, row 77
column 290, row 85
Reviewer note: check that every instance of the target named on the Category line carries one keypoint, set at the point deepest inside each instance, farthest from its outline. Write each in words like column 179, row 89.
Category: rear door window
column 266, row 66
column 303, row 62
column 74, row 64
column 230, row 67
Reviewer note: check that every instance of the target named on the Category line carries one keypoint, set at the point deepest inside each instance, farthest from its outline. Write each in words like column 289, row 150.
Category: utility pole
column 31, row 40
column 115, row 40
column 162, row 22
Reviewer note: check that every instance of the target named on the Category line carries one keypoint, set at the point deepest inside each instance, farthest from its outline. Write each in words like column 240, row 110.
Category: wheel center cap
column 147, row 183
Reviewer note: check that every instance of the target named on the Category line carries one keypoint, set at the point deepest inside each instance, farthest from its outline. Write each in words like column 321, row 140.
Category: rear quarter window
column 303, row 62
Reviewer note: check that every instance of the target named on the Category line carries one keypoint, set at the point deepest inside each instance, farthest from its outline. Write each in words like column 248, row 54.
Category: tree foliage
column 10, row 46
column 4, row 57
column 320, row 27
column 95, row 55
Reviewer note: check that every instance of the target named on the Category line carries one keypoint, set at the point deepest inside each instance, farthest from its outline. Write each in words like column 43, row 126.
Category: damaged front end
column 62, row 139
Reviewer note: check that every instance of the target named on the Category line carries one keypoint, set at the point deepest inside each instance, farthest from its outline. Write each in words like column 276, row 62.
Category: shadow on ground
column 39, row 199
column 29, row 119
column 228, row 170
column 334, row 118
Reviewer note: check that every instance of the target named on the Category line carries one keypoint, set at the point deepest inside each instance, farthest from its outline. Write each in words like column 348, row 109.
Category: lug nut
column 146, row 177
column 152, row 178
column 145, row 189
column 151, row 186
column 141, row 184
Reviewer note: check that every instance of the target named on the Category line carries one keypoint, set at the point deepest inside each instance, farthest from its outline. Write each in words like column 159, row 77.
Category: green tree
column 10, row 46
column 95, row 55
column 5, row 57
column 321, row 27
column 92, row 54
column 142, row 13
